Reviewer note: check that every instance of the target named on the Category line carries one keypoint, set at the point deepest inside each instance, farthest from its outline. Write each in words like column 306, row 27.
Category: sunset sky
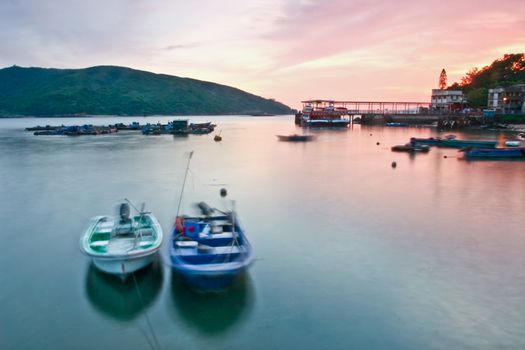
column 284, row 49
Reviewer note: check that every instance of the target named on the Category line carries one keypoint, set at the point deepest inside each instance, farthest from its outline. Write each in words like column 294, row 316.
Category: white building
column 447, row 100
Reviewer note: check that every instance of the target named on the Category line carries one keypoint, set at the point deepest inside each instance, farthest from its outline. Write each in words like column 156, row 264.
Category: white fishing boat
column 121, row 245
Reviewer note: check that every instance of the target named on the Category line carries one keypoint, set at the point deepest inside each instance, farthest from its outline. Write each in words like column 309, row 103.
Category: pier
column 381, row 112
column 364, row 108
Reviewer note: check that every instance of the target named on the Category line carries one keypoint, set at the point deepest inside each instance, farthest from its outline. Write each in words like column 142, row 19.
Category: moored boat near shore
column 296, row 138
column 494, row 153
column 410, row 147
column 323, row 113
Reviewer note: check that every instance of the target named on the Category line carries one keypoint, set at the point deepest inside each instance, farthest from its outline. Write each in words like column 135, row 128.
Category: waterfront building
column 507, row 100
column 447, row 100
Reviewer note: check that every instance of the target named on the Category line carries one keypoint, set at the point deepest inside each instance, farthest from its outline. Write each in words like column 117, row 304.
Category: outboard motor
column 124, row 212
column 205, row 209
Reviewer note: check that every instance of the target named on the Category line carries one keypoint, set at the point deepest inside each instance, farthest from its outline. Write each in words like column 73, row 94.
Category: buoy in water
column 444, row 156
column 377, row 143
column 394, row 164
column 223, row 192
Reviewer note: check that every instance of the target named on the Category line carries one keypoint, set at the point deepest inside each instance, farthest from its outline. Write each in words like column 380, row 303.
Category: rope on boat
column 144, row 333
column 184, row 183
column 235, row 241
column 155, row 344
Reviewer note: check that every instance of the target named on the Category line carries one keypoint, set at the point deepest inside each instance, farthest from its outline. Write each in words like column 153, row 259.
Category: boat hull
column 467, row 143
column 123, row 266
column 326, row 123
column 295, row 138
column 411, row 148
column 496, row 153
column 210, row 281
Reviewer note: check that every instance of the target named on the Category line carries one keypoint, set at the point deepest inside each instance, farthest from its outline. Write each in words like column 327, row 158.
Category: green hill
column 506, row 71
column 109, row 90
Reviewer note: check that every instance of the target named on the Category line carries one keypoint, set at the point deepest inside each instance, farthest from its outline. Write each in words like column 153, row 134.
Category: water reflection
column 213, row 313
column 119, row 298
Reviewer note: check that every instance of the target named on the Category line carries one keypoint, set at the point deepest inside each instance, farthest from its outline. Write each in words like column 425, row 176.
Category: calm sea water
column 351, row 253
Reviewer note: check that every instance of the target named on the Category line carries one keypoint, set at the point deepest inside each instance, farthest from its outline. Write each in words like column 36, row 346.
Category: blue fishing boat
column 209, row 251
column 495, row 153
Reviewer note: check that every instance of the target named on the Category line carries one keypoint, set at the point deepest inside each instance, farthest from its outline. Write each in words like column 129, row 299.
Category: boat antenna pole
column 184, row 183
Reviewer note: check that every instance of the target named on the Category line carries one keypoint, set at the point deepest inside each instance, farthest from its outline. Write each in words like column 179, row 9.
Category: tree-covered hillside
column 110, row 90
column 506, row 71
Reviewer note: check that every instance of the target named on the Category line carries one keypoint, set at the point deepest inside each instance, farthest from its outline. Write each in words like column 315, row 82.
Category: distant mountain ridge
column 112, row 90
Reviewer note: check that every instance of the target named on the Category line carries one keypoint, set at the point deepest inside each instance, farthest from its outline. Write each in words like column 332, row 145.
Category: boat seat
column 217, row 239
column 217, row 254
column 186, row 244
column 105, row 226
column 99, row 243
column 145, row 232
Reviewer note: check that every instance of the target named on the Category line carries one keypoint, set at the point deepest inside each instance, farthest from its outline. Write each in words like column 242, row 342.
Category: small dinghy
column 124, row 244
column 411, row 147
column 211, row 250
column 296, row 138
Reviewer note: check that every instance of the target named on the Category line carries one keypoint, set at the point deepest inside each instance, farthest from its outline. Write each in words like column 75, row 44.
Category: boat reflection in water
column 213, row 313
column 119, row 298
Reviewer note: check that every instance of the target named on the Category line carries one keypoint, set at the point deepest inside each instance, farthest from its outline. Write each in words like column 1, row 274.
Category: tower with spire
column 444, row 100
column 443, row 79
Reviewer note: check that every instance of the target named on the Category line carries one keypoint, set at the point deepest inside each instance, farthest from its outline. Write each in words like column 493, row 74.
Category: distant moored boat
column 323, row 113
column 296, row 138
column 495, row 153
column 410, row 147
